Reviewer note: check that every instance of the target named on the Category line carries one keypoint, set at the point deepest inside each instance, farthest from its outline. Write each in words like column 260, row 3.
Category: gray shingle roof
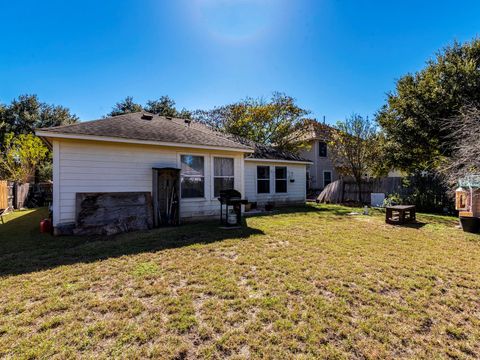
column 159, row 128
column 172, row 130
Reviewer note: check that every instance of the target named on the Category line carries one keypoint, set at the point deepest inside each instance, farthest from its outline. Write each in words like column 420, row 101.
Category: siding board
column 88, row 166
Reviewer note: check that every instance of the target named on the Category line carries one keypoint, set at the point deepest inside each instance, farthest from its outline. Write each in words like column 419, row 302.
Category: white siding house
column 294, row 190
column 86, row 166
column 118, row 154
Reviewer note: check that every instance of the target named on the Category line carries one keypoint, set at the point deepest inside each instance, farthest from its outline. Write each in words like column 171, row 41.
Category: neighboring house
column 321, row 172
column 117, row 154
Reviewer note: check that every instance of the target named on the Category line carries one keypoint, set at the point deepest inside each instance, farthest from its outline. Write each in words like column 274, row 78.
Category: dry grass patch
column 310, row 283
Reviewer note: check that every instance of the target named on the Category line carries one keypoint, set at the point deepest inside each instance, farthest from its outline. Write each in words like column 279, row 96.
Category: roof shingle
column 159, row 128
column 173, row 130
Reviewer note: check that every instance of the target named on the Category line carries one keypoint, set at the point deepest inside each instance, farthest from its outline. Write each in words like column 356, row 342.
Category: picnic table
column 400, row 214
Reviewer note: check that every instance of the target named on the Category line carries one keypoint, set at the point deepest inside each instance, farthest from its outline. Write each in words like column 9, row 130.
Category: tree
column 125, row 106
column 21, row 155
column 353, row 147
column 165, row 106
column 266, row 122
column 27, row 113
column 464, row 130
column 21, row 117
column 413, row 116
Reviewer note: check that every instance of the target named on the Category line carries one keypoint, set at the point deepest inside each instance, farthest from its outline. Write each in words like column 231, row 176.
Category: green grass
column 307, row 283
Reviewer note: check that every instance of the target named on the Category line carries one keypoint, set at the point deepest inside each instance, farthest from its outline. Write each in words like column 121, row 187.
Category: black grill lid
column 229, row 194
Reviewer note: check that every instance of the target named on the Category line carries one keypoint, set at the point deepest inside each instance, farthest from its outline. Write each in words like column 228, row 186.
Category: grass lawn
column 311, row 283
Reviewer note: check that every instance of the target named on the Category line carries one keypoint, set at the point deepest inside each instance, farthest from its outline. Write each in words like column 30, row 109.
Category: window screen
column 192, row 176
column 223, row 175
column 263, row 179
column 322, row 149
column 280, row 179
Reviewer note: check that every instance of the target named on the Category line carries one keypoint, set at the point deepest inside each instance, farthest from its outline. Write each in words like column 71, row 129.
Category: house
column 321, row 171
column 117, row 155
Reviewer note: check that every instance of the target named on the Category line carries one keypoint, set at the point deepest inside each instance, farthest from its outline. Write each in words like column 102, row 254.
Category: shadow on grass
column 412, row 225
column 24, row 250
column 334, row 210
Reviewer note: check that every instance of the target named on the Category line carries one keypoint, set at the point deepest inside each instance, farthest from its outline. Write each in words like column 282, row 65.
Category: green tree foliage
column 412, row 118
column 125, row 106
column 21, row 155
column 353, row 148
column 27, row 113
column 163, row 106
column 279, row 121
column 18, row 121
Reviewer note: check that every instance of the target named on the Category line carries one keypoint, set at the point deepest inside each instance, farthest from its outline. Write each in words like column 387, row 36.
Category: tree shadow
column 306, row 209
column 24, row 250
column 411, row 225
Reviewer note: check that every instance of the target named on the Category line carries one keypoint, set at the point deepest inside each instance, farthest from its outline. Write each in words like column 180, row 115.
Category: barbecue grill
column 232, row 199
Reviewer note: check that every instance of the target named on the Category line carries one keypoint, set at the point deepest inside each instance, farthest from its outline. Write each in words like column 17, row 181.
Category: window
column 263, row 179
column 322, row 149
column 223, row 178
column 280, row 179
column 192, row 176
column 327, row 178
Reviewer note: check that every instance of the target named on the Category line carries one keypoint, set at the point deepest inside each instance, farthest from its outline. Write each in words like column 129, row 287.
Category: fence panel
column 3, row 194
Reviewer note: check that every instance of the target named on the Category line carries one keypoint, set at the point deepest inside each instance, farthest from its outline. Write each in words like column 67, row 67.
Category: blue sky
column 335, row 57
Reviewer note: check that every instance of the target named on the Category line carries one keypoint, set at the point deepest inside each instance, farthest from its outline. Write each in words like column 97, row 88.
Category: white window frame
column 269, row 179
column 212, row 187
column 205, row 167
column 286, row 180
column 331, row 179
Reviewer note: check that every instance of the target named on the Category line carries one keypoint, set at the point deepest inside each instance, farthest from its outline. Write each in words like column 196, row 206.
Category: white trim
column 56, row 183
column 134, row 141
column 279, row 161
column 206, row 158
column 212, row 185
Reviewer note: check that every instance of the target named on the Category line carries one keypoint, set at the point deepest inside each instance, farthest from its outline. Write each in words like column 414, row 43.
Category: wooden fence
column 346, row 190
column 17, row 196
column 6, row 194
column 3, row 194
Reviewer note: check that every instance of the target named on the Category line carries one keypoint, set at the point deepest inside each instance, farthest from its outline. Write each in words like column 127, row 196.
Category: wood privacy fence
column 6, row 194
column 16, row 196
column 21, row 195
column 3, row 194
column 346, row 190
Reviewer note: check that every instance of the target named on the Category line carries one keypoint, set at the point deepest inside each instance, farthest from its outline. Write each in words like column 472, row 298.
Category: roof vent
column 168, row 117
column 187, row 122
column 147, row 117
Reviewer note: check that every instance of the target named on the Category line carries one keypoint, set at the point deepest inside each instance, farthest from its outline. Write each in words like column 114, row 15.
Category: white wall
column 296, row 191
column 93, row 166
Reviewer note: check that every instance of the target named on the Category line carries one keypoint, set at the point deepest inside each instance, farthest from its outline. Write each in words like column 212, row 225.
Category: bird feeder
column 467, row 202
column 467, row 196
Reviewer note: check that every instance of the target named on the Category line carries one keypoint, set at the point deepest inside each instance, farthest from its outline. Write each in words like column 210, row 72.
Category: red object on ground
column 45, row 226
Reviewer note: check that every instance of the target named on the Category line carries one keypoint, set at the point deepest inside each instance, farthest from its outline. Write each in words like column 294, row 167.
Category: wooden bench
column 400, row 214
